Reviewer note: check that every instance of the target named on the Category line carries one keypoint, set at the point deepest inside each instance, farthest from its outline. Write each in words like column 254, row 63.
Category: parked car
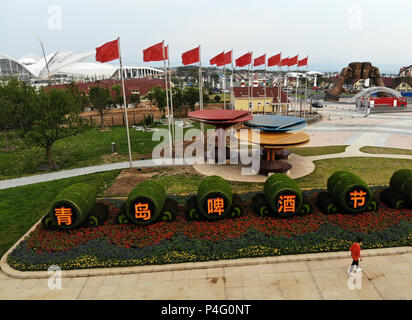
column 317, row 104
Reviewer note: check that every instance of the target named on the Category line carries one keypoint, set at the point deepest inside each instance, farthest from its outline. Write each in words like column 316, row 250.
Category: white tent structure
column 65, row 67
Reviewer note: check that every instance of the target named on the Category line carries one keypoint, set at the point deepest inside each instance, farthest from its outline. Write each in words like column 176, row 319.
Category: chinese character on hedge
column 358, row 198
column 287, row 203
column 142, row 211
column 63, row 215
column 216, row 205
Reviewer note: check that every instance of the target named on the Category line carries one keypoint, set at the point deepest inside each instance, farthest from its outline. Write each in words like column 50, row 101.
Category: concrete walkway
column 383, row 277
column 381, row 130
column 4, row 184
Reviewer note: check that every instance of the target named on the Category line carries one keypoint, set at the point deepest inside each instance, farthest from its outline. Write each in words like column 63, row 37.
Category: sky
column 332, row 33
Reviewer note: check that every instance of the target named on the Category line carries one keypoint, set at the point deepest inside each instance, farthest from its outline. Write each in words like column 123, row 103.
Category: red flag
column 293, row 61
column 227, row 58
column 274, row 60
column 191, row 56
column 153, row 53
column 260, row 60
column 244, row 60
column 284, row 62
column 217, row 59
column 167, row 52
column 108, row 52
column 303, row 62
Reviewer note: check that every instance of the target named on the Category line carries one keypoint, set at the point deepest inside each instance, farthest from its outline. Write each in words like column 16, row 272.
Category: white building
column 67, row 66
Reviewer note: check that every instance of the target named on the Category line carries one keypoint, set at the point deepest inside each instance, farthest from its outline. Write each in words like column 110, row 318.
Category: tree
column 215, row 77
column 134, row 98
column 101, row 99
column 118, row 99
column 191, row 96
column 217, row 98
column 159, row 95
column 177, row 94
column 80, row 97
column 10, row 95
column 55, row 115
column 15, row 98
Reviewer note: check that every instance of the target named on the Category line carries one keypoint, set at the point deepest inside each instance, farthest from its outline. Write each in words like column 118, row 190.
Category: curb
column 13, row 273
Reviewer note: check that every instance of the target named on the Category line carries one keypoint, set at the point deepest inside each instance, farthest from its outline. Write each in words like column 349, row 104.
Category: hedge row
column 147, row 202
column 399, row 193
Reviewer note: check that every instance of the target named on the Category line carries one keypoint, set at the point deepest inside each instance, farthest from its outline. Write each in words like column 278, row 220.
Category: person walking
column 355, row 250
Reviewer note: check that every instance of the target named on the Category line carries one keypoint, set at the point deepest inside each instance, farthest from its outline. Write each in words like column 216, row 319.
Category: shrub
column 279, row 185
column 210, row 189
column 341, row 184
column 401, row 182
column 80, row 198
column 148, row 195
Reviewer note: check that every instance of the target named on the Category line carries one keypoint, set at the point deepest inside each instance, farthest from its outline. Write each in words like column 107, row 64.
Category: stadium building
column 64, row 67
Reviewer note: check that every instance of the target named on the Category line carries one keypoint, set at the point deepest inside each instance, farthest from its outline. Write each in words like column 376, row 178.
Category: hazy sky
column 332, row 32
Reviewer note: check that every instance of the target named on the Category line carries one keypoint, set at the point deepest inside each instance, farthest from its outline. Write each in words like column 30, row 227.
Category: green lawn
column 380, row 150
column 317, row 151
column 88, row 148
column 22, row 207
column 375, row 171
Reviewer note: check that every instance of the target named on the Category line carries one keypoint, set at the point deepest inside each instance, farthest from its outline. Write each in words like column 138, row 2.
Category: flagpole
column 248, row 87
column 279, row 80
column 264, row 101
column 224, row 87
column 167, row 98
column 231, row 84
column 171, row 95
column 296, row 92
column 306, row 87
column 279, row 86
column 251, row 82
column 200, row 90
column 125, row 104
column 287, row 92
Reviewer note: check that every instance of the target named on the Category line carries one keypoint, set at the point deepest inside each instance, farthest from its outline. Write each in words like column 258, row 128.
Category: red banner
column 191, row 56
column 260, row 60
column 153, row 53
column 217, row 59
column 108, row 52
column 303, row 62
column 244, row 60
column 284, row 62
column 274, row 60
column 293, row 61
column 227, row 58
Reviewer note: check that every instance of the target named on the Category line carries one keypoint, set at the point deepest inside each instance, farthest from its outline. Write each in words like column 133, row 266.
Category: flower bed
column 114, row 245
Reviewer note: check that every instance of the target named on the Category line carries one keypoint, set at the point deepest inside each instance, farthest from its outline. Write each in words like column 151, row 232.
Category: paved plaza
column 383, row 277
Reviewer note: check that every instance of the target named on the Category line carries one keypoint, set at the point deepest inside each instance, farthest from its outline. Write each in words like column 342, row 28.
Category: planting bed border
column 11, row 272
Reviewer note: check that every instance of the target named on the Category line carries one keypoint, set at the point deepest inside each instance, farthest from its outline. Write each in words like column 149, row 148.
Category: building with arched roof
column 63, row 67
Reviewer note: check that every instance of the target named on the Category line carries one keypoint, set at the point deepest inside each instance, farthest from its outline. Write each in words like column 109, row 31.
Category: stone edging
column 9, row 271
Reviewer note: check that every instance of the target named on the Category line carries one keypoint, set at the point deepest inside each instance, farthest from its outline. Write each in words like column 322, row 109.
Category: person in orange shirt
column 356, row 256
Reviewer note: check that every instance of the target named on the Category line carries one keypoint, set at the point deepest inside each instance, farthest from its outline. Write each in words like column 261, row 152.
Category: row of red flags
column 158, row 52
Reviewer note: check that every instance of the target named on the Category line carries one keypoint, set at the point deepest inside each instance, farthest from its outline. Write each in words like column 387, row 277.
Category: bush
column 341, row 184
column 278, row 185
column 152, row 196
column 401, row 182
column 80, row 197
column 210, row 188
